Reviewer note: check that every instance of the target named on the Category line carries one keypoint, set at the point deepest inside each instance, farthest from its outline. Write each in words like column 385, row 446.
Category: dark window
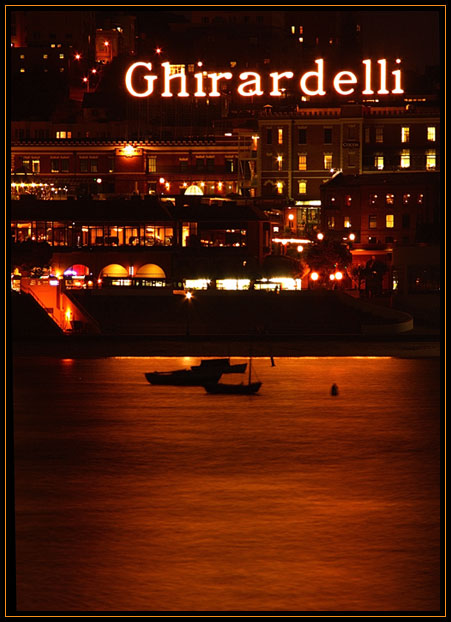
column 269, row 136
column 405, row 221
column 327, row 135
column 302, row 136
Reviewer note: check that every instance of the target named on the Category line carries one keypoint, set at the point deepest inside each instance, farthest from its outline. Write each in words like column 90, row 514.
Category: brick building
column 76, row 166
column 298, row 152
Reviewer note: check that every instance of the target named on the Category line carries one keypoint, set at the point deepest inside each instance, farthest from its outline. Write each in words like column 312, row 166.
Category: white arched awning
column 194, row 190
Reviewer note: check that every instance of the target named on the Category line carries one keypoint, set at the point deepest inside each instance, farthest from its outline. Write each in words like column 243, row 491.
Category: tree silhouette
column 327, row 256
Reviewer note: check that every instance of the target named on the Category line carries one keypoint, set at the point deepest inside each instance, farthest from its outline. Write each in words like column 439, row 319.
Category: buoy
column 334, row 389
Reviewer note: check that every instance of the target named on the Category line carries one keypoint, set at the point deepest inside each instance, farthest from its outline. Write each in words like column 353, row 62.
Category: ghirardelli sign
column 377, row 78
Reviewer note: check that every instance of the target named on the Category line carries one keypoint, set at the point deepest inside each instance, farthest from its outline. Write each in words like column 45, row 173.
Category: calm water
column 132, row 497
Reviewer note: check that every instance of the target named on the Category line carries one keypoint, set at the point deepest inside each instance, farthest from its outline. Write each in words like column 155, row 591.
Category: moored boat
column 220, row 388
column 223, row 364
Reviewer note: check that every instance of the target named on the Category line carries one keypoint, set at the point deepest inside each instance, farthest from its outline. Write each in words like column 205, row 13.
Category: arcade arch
column 150, row 271
column 114, row 270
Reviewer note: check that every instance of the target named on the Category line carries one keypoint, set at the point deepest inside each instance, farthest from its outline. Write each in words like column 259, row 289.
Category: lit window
column 174, row 69
column 302, row 187
column 279, row 162
column 280, row 136
column 379, row 134
column 279, row 186
column 367, row 134
column 347, row 222
column 431, row 133
column 372, row 221
column 45, row 56
column 389, row 199
column 152, row 164
column 327, row 161
column 22, row 70
column 430, row 159
column 22, row 56
column 405, row 158
column 63, row 134
column 61, row 55
column 302, row 162
column 405, row 134
column 390, row 221
column 35, row 165
column 379, row 162
column 331, row 222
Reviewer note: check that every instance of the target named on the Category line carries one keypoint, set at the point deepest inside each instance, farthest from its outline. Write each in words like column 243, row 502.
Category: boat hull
column 233, row 389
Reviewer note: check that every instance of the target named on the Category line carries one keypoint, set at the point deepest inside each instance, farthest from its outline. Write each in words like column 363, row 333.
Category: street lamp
column 188, row 297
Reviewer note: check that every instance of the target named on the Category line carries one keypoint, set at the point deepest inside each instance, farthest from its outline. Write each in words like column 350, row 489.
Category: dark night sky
column 412, row 35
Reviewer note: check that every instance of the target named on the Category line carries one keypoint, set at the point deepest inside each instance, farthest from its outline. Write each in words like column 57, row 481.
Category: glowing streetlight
column 320, row 236
column 188, row 297
column 314, row 276
column 338, row 276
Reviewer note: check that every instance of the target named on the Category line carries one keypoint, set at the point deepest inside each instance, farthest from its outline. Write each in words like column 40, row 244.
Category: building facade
column 46, row 160
column 298, row 152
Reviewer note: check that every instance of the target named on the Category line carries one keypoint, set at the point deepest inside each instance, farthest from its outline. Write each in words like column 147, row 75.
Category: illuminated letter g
column 150, row 80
